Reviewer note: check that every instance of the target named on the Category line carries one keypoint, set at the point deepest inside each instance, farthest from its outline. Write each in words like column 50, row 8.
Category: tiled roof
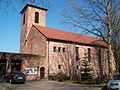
column 69, row 36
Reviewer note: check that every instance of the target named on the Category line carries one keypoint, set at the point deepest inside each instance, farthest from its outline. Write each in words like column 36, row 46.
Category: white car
column 114, row 83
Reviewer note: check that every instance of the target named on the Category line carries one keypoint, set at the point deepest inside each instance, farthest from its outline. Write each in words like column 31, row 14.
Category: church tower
column 30, row 15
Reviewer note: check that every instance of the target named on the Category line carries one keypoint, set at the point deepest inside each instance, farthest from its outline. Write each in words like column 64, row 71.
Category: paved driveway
column 46, row 85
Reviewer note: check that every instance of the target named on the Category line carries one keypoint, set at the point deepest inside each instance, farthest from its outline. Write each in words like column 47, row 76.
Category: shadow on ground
column 104, row 87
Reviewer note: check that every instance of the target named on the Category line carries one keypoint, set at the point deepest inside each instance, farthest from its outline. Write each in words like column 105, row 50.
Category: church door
column 42, row 72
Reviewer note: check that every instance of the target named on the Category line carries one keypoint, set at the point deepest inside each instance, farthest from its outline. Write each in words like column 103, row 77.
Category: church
column 45, row 51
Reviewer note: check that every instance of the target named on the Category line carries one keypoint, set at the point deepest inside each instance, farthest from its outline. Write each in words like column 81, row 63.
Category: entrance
column 42, row 72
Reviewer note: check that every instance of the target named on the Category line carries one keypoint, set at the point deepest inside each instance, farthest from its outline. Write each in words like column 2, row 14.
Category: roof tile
column 69, row 36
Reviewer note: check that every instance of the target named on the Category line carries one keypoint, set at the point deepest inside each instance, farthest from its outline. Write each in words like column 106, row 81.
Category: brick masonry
column 32, row 41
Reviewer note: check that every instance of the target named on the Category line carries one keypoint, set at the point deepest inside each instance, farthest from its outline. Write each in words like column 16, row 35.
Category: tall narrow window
column 63, row 50
column 99, row 55
column 89, row 54
column 23, row 19
column 54, row 49
column 36, row 17
column 77, row 66
column 77, row 53
column 59, row 49
column 59, row 66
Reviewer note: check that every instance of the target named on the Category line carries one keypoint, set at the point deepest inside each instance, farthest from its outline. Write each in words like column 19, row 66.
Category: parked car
column 15, row 77
column 114, row 83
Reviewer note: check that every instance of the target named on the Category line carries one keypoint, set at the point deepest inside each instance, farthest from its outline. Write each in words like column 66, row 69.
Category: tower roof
column 32, row 6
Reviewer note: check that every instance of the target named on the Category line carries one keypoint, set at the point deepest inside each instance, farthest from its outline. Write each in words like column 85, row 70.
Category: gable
column 36, row 42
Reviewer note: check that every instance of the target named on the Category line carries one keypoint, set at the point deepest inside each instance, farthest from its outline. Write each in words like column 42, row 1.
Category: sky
column 10, row 24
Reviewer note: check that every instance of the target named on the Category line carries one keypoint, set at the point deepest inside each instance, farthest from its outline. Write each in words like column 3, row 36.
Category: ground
column 47, row 85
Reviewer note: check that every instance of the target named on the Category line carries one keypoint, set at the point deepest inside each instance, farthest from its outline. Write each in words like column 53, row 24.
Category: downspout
column 68, row 61
column 48, row 61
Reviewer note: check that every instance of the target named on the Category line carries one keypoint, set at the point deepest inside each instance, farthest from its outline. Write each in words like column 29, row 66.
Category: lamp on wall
column 37, row 67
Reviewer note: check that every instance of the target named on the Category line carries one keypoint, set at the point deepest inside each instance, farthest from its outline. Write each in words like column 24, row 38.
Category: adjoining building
column 21, row 62
column 53, row 50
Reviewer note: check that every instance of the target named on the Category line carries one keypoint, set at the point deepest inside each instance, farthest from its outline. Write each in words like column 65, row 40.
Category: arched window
column 36, row 17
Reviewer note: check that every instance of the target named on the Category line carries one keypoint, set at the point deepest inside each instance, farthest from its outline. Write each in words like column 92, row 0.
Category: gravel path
column 46, row 85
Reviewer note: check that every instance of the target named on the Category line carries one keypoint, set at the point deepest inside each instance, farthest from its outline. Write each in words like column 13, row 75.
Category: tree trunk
column 109, row 61
column 109, row 26
column 8, row 65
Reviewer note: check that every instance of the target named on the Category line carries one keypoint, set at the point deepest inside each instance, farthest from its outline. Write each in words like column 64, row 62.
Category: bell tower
column 30, row 15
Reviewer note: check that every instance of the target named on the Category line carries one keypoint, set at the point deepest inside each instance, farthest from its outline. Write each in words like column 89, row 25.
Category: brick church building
column 45, row 51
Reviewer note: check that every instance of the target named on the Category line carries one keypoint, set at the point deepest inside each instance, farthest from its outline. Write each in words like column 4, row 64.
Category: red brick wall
column 23, row 32
column 32, row 62
column 33, row 42
column 68, row 62
column 36, row 43
column 29, row 21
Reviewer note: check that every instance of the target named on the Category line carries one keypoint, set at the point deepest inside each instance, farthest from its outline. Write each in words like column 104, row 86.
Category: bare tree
column 66, row 56
column 98, row 17
column 116, row 47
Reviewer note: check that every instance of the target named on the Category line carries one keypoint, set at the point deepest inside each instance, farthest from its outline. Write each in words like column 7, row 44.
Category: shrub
column 61, row 77
column 90, row 80
column 101, row 79
column 86, row 76
column 53, row 76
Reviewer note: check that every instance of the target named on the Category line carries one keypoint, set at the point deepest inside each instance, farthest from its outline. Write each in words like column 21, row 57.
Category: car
column 15, row 77
column 114, row 83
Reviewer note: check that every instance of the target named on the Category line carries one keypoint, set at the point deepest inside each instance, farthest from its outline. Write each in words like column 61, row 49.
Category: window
column 63, row 49
column 59, row 66
column 89, row 54
column 77, row 66
column 23, row 19
column 99, row 55
column 36, row 17
column 54, row 49
column 59, row 49
column 77, row 53
column 31, row 70
column 100, row 61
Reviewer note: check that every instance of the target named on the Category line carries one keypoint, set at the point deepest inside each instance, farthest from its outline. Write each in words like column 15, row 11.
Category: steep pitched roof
column 69, row 36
